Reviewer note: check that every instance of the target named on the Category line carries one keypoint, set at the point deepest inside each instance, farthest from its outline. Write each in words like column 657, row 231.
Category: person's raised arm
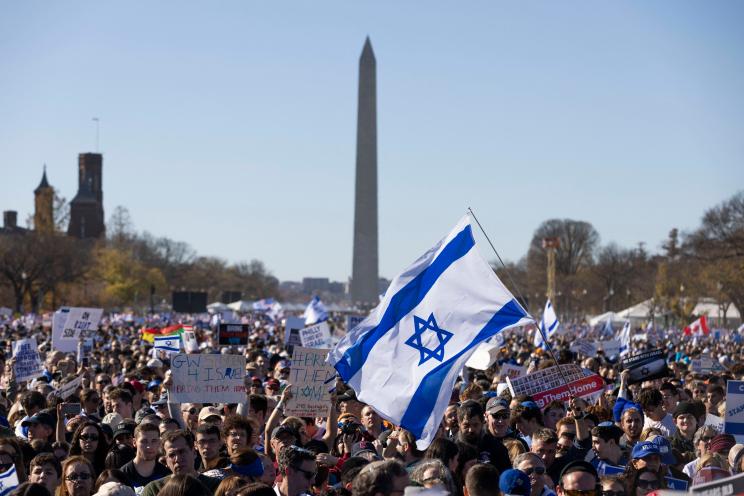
column 276, row 414
column 331, row 424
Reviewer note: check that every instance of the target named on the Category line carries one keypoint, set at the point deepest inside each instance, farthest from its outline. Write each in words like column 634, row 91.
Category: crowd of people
column 119, row 434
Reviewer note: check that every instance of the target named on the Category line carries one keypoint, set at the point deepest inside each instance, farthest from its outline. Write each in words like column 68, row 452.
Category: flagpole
column 519, row 294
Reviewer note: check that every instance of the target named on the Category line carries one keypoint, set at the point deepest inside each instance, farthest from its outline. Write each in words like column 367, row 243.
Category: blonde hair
column 712, row 460
column 515, row 448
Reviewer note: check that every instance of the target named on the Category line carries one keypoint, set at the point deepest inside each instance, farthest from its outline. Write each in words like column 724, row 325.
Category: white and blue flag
column 548, row 325
column 168, row 343
column 8, row 481
column 607, row 329
column 315, row 312
column 404, row 358
column 625, row 339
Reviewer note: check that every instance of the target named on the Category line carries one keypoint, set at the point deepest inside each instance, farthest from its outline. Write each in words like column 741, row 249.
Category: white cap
column 154, row 363
column 114, row 489
column 112, row 420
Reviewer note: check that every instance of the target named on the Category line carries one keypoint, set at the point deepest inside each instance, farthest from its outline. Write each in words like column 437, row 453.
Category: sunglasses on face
column 579, row 492
column 534, row 470
column 500, row 416
column 78, row 477
column 648, row 484
column 89, row 437
column 309, row 474
column 706, row 439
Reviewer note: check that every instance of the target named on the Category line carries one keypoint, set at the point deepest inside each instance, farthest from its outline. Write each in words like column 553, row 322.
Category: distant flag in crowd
column 8, row 480
column 698, row 328
column 625, row 339
column 271, row 308
column 170, row 343
column 607, row 329
column 315, row 312
column 404, row 358
column 149, row 334
column 740, row 329
column 548, row 325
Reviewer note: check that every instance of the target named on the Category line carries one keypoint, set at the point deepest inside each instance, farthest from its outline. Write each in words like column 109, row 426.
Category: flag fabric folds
column 698, row 328
column 8, row 481
column 548, row 325
column 404, row 358
column 625, row 339
column 170, row 343
column 150, row 334
column 315, row 312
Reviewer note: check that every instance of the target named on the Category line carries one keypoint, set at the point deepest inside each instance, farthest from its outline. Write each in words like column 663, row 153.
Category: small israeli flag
column 168, row 343
column 625, row 339
column 315, row 312
column 548, row 325
column 8, row 481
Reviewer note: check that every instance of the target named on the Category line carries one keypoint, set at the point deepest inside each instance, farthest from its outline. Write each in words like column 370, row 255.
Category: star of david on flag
column 168, row 343
column 405, row 357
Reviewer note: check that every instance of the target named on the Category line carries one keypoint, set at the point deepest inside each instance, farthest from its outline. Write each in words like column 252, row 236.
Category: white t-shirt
column 665, row 425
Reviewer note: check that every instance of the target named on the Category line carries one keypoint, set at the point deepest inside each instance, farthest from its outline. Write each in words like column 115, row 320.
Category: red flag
column 700, row 326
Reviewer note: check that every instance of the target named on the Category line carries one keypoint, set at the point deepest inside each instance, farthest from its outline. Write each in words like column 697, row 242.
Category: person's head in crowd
column 566, row 427
column 119, row 455
column 78, row 477
column 482, row 480
column 90, row 400
column 406, row 446
column 124, row 433
column 283, row 436
column 46, row 470
column 606, row 443
column 670, row 397
column 514, row 483
column 364, row 449
column 643, row 481
column 269, row 470
column 514, row 447
column 230, row 485
column 255, row 489
column 32, row 402
column 564, row 445
column 90, row 442
column 297, row 468
column 246, row 463
column 41, row 425
column 281, row 370
column 735, row 458
column 190, row 415
column 168, row 424
column 258, row 407
column 577, row 475
column 208, row 443
column 631, row 422
column 371, row 420
column 703, row 437
column 652, row 403
column 146, row 442
column 470, row 421
column 348, row 403
column 255, row 384
column 699, row 389
column 497, row 417
column 382, row 478
column 646, row 454
column 210, row 415
column 152, row 392
column 160, row 406
column 450, row 418
column 612, row 485
column 721, row 444
column 178, row 447
column 714, row 395
column 101, row 381
column 11, row 453
column 471, row 392
column 544, row 443
column 108, row 476
column 685, row 420
column 272, row 387
column 432, row 473
column 300, row 427
column 182, row 485
column 552, row 413
column 446, row 451
column 534, row 467
column 60, row 450
column 527, row 417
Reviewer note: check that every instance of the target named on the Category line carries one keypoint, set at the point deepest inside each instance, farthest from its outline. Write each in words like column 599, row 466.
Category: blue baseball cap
column 644, row 449
column 665, row 450
column 514, row 482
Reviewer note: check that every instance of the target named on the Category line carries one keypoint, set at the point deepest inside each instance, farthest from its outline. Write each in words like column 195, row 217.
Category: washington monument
column 364, row 274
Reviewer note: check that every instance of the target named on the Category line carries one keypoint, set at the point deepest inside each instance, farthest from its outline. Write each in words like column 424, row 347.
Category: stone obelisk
column 364, row 275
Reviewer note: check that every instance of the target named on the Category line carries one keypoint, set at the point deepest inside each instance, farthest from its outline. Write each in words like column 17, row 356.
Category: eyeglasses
column 648, row 484
column 580, row 492
column 539, row 470
column 309, row 474
column 500, row 416
column 89, row 437
column 613, row 493
column 83, row 476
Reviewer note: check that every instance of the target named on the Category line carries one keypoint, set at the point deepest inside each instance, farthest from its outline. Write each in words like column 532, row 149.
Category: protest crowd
column 106, row 420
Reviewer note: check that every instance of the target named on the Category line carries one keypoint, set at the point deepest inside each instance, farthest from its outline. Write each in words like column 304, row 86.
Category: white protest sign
column 311, row 379
column 79, row 321
column 610, row 347
column 585, row 347
column 28, row 364
column 68, row 388
column 190, row 343
column 207, row 379
column 58, row 322
column 706, row 365
column 734, row 420
column 512, row 371
column 316, row 336
column 292, row 326
column 483, row 357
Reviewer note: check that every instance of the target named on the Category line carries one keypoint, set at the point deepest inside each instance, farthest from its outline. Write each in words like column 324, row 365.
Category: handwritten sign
column 68, row 388
column 512, row 371
column 28, row 364
column 58, row 322
column 208, row 379
column 311, row 380
column 316, row 336
column 78, row 321
column 233, row 334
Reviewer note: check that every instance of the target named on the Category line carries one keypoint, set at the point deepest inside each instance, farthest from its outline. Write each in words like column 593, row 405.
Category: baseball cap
column 665, row 450
column 209, row 411
column 722, row 443
column 114, row 489
column 154, row 363
column 142, row 413
column 684, row 407
column 273, row 384
column 137, row 385
column 284, row 429
column 514, row 482
column 124, row 428
column 153, row 384
column 40, row 418
column 579, row 466
column 112, row 420
column 496, row 405
column 363, row 447
column 644, row 449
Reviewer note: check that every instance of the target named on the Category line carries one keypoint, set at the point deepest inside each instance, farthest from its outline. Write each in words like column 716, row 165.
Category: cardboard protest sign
column 512, row 371
column 646, row 366
column 312, row 380
column 734, row 420
column 292, row 326
column 610, row 347
column 316, row 336
column 549, row 384
column 79, row 321
column 207, row 379
column 190, row 343
column 68, row 388
column 730, row 486
column 28, row 364
column 233, row 334
column 585, row 347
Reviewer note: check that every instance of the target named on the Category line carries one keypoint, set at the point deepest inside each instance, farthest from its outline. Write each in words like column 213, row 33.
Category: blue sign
column 734, row 421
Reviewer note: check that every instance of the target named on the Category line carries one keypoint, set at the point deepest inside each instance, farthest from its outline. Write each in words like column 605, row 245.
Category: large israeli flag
column 404, row 358
column 548, row 325
column 315, row 312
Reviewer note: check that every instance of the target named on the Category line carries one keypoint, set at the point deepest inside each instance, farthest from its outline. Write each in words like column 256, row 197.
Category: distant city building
column 86, row 209
column 44, row 206
column 10, row 223
column 315, row 284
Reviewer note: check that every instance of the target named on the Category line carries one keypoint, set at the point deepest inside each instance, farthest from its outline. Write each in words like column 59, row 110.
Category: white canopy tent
column 215, row 307
column 603, row 317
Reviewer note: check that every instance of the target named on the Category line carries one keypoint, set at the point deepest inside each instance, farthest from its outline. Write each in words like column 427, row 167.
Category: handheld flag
column 8, row 480
column 698, row 328
column 404, row 358
column 168, row 343
column 315, row 312
column 607, row 329
column 625, row 339
column 548, row 325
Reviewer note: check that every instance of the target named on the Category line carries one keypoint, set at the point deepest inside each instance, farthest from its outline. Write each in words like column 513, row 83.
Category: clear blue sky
column 231, row 125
